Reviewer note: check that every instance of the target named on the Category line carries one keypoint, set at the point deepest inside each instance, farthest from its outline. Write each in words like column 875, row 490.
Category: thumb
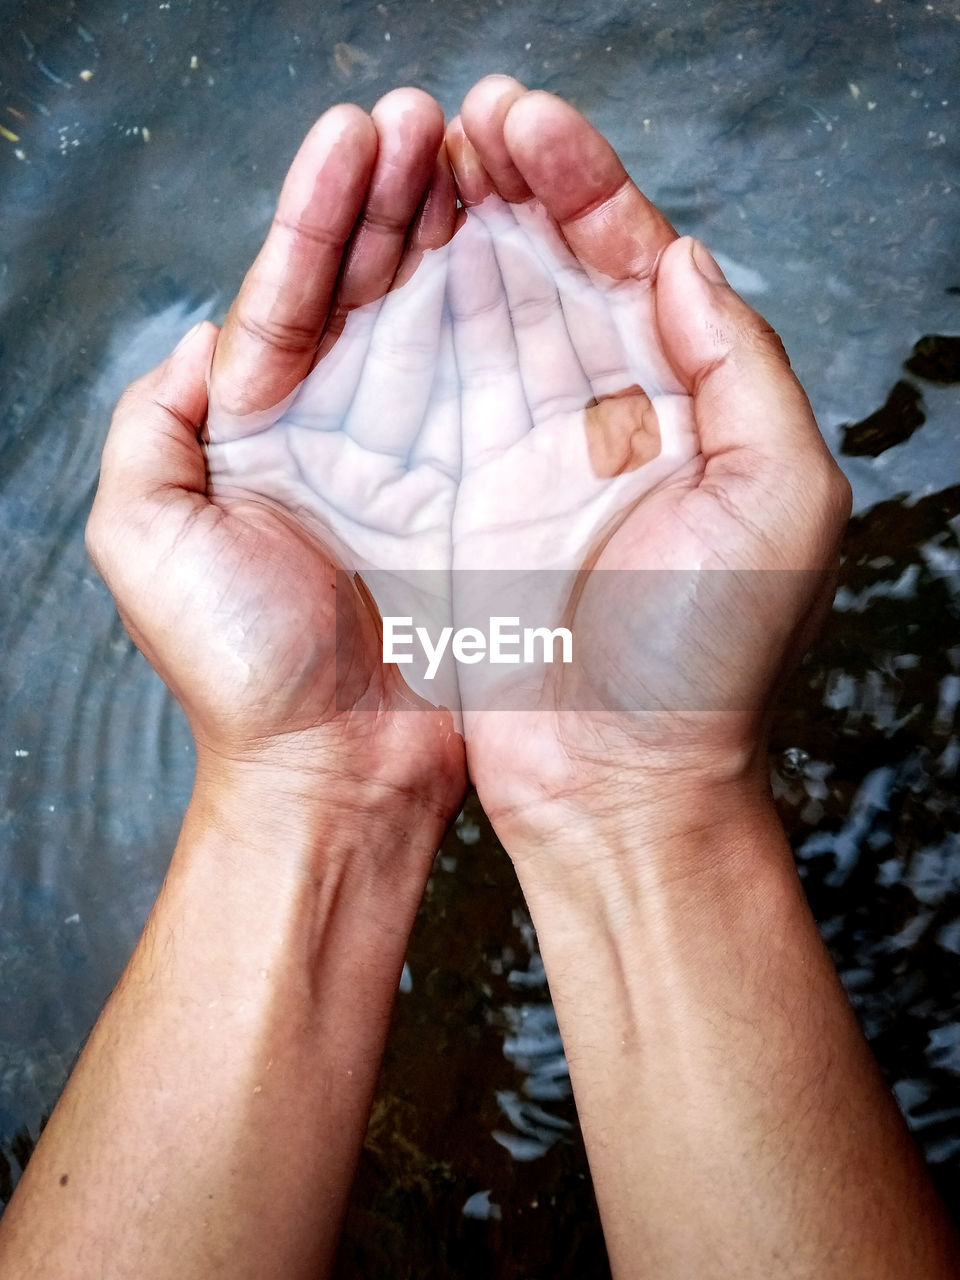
column 763, row 452
column 153, row 442
column 745, row 393
column 153, row 448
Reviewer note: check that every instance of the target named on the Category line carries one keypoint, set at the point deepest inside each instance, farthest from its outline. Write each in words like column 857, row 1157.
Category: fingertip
column 409, row 105
column 407, row 97
column 550, row 140
column 193, row 354
column 473, row 181
column 537, row 112
column 200, row 336
column 453, row 139
column 183, row 378
column 692, row 285
column 729, row 357
column 344, row 119
column 484, row 111
column 339, row 151
column 704, row 262
column 437, row 215
column 566, row 162
column 210, row 330
column 493, row 85
column 693, row 303
column 435, row 221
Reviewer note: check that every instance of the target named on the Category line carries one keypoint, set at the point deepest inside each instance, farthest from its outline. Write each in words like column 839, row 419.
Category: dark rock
column 936, row 358
column 890, row 425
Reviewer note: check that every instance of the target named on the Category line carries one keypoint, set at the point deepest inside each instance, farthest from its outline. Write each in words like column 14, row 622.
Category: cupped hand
column 225, row 573
column 701, row 510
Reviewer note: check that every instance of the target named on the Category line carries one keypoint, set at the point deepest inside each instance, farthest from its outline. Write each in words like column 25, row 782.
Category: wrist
column 666, row 908
column 407, row 774
column 638, row 832
column 274, row 823
column 586, row 779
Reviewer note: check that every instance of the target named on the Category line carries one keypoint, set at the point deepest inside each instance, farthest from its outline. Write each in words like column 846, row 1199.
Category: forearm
column 217, row 1112
column 735, row 1121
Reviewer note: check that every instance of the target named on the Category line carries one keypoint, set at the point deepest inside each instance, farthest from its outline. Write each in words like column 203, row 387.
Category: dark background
column 814, row 146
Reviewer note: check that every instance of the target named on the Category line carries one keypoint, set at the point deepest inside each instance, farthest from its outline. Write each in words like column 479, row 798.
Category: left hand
column 232, row 597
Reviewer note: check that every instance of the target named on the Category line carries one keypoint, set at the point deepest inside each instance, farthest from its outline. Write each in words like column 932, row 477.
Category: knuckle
column 760, row 336
column 94, row 535
column 135, row 392
column 313, row 233
column 384, row 221
column 281, row 335
column 830, row 491
column 842, row 495
column 128, row 400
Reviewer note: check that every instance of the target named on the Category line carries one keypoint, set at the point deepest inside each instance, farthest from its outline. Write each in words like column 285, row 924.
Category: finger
column 752, row 416
column 482, row 115
column 324, row 398
column 437, row 217
column 494, row 409
column 152, row 448
column 612, row 325
column 390, row 403
column 435, row 221
column 271, row 332
column 473, row 182
column 438, row 444
column 572, row 168
column 614, row 332
column 553, row 379
column 586, row 306
column 387, row 411
column 409, row 125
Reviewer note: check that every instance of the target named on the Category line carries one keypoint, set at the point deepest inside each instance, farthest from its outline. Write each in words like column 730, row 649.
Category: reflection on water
column 867, row 785
column 533, row 1046
column 935, row 358
column 819, row 156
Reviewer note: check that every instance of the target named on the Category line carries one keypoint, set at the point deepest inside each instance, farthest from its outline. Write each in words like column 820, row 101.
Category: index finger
column 576, row 174
column 271, row 331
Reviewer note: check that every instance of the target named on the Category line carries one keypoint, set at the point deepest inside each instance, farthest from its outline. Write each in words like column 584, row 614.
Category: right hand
column 665, row 709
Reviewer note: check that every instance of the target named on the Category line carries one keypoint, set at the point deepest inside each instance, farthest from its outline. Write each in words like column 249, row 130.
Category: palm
column 562, row 354
column 515, row 358
column 365, row 454
column 213, row 568
column 366, row 450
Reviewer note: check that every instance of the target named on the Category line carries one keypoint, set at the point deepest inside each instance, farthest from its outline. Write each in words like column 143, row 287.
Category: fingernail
column 187, row 337
column 473, row 180
column 706, row 263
